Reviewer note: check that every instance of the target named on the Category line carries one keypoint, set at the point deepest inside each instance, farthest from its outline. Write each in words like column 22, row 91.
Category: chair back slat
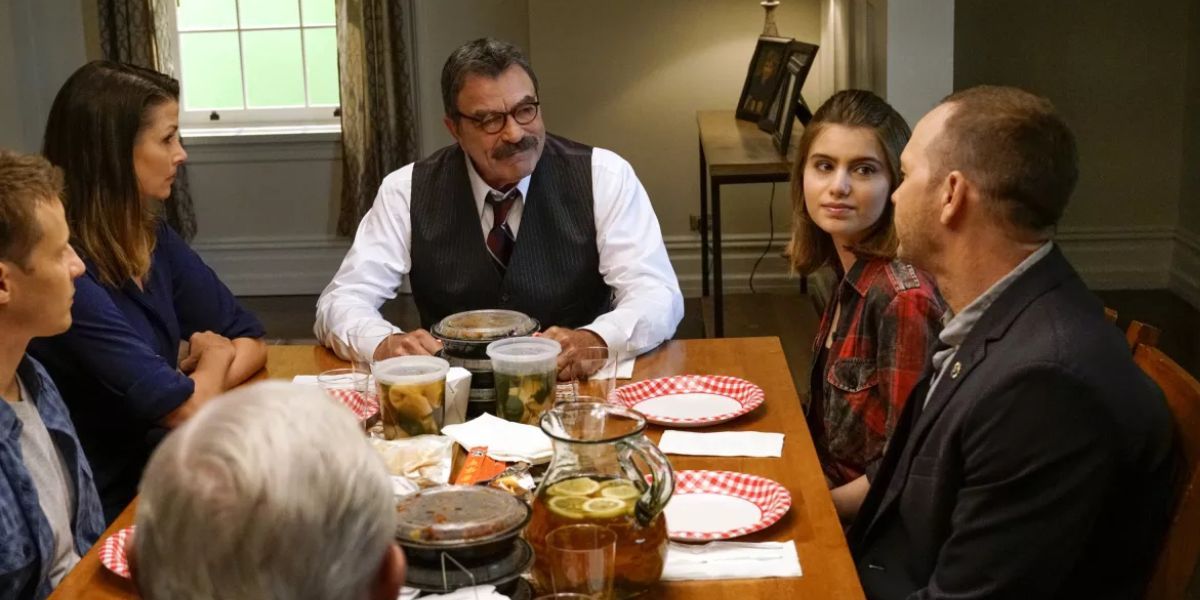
column 1181, row 547
column 1141, row 333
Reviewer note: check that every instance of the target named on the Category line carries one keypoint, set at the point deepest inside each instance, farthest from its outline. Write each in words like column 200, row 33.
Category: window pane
column 269, row 13
column 274, row 73
column 206, row 14
column 320, row 48
column 212, row 76
column 318, row 12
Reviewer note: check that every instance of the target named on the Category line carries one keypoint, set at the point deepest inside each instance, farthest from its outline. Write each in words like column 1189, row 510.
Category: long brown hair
column 90, row 134
column 811, row 247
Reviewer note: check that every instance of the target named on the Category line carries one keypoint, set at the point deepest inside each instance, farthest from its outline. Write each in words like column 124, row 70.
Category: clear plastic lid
column 524, row 350
column 484, row 325
column 453, row 515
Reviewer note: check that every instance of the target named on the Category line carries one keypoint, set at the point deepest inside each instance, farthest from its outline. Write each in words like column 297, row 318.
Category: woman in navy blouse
column 114, row 131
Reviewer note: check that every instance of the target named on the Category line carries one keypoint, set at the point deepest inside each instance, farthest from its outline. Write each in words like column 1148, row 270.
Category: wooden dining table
column 812, row 524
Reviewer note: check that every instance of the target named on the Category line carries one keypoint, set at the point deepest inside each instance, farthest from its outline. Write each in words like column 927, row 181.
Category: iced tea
column 610, row 502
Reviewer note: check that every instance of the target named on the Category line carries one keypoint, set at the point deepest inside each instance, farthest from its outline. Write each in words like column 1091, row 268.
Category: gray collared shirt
column 959, row 326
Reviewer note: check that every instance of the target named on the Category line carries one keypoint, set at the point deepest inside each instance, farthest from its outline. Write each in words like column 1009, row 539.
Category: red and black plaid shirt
column 890, row 317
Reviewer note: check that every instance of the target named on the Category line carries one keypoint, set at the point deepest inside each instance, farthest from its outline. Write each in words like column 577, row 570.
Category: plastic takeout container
column 523, row 355
column 465, row 521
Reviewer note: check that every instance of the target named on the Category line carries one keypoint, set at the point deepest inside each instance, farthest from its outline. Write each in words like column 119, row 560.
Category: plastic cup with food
column 525, row 372
column 412, row 395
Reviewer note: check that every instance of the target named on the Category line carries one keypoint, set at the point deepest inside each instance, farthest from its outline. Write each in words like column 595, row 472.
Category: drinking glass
column 355, row 390
column 595, row 372
column 582, row 558
column 364, row 341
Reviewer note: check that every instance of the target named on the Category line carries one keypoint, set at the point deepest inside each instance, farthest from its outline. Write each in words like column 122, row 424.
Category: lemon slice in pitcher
column 603, row 508
column 579, row 486
column 621, row 491
column 570, row 507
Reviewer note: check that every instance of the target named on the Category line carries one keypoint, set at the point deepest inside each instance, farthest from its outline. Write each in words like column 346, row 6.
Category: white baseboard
column 739, row 252
column 1107, row 258
column 1120, row 258
column 1185, row 266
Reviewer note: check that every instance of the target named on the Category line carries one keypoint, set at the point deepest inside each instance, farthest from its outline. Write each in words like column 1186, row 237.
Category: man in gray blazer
column 1035, row 460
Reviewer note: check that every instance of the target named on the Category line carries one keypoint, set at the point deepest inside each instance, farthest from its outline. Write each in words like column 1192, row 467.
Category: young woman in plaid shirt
column 880, row 325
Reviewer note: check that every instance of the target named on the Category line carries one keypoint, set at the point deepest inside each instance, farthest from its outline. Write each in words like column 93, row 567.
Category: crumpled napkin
column 722, row 443
column 731, row 560
column 479, row 592
column 505, row 440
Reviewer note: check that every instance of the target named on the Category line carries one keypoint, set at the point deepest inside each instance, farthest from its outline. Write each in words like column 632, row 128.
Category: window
column 256, row 62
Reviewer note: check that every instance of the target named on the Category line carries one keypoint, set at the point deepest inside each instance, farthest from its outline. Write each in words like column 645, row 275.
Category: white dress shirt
column 633, row 260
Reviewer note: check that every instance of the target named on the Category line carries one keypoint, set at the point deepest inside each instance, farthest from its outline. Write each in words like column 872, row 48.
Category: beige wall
column 12, row 136
column 442, row 26
column 41, row 44
column 1114, row 69
column 1189, row 200
column 920, row 56
column 629, row 75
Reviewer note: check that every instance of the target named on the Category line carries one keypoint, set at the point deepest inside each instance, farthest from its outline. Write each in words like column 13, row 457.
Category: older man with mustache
column 509, row 217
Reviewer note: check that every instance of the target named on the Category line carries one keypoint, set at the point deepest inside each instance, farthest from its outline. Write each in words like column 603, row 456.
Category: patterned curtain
column 137, row 32
column 377, row 106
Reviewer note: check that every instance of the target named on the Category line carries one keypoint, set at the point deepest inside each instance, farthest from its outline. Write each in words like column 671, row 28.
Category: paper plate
column 719, row 505
column 112, row 553
column 690, row 400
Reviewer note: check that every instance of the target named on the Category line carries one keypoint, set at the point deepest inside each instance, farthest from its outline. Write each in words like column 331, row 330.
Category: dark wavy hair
column 811, row 247
column 90, row 135
column 485, row 56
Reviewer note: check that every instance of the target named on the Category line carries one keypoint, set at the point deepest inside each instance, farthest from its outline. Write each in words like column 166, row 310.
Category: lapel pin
column 955, row 370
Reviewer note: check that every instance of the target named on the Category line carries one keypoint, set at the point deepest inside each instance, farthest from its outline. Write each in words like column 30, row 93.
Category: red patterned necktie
column 500, row 239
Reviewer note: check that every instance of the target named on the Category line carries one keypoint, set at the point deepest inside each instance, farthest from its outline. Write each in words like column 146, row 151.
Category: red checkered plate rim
column 748, row 395
column 112, row 552
column 363, row 406
column 771, row 499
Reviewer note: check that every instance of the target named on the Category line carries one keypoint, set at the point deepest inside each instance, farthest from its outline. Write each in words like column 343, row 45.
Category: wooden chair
column 1181, row 548
column 1140, row 333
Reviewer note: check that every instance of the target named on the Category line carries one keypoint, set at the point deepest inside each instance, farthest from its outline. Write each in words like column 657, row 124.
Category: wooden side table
column 731, row 152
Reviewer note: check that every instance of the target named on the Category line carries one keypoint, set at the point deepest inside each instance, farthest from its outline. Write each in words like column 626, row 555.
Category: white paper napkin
column 625, row 367
column 505, row 440
column 479, row 592
column 723, row 443
column 731, row 560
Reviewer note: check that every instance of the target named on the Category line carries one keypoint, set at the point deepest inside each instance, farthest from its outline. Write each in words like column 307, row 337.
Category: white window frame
column 318, row 118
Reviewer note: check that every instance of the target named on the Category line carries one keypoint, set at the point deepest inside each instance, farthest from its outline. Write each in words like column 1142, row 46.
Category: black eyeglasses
column 523, row 114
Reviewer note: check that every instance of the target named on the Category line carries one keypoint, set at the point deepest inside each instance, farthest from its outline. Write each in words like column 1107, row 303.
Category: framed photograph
column 788, row 104
column 763, row 78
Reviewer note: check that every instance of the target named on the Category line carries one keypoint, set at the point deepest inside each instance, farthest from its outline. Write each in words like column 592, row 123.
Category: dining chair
column 1139, row 333
column 1181, row 546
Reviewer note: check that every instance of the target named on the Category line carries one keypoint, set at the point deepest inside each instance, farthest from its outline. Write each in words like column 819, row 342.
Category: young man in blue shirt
column 49, row 510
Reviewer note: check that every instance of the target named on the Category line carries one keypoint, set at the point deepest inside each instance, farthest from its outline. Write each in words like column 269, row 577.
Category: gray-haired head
column 270, row 492
column 485, row 56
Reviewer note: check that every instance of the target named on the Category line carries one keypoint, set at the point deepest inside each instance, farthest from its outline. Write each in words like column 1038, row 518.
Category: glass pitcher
column 604, row 472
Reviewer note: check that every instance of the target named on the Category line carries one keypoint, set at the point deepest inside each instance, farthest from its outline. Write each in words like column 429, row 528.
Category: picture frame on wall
column 788, row 104
column 763, row 78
